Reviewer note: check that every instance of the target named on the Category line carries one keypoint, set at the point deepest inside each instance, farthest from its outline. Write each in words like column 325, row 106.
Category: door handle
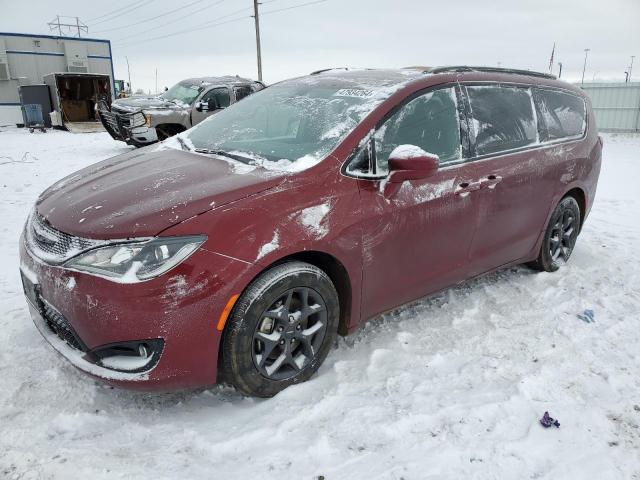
column 490, row 181
column 465, row 188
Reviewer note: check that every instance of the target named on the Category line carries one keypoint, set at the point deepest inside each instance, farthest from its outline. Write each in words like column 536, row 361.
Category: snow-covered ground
column 447, row 388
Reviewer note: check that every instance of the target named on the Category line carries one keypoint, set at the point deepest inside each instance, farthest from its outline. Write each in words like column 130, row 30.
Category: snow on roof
column 223, row 80
column 374, row 79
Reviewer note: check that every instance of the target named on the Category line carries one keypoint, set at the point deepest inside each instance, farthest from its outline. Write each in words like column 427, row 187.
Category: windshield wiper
column 183, row 144
column 222, row 153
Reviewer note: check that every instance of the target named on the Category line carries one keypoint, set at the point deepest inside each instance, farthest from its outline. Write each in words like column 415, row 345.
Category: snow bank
column 450, row 387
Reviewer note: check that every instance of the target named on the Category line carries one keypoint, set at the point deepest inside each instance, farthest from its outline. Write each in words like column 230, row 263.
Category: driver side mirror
column 408, row 162
column 208, row 106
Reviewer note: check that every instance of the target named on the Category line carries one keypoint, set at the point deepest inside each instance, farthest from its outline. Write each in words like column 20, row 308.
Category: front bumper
column 119, row 126
column 179, row 310
column 79, row 358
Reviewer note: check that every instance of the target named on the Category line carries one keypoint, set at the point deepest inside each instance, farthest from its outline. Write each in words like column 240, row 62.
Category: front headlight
column 138, row 120
column 147, row 120
column 136, row 261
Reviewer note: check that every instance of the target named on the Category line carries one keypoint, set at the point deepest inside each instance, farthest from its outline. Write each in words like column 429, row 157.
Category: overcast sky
column 358, row 33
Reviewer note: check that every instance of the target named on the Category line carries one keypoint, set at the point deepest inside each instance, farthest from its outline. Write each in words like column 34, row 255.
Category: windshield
column 291, row 125
column 182, row 92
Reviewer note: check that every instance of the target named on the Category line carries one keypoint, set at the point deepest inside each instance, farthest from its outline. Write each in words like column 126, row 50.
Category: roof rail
column 466, row 68
column 317, row 72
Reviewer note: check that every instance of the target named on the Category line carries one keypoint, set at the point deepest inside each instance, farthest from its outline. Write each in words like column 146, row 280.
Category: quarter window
column 562, row 114
column 242, row 92
column 502, row 118
column 429, row 121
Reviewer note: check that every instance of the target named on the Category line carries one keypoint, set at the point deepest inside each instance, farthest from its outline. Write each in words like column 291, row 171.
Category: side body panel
column 520, row 190
column 415, row 241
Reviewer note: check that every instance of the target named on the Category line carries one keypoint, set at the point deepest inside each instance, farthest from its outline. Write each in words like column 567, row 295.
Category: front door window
column 430, row 121
column 220, row 97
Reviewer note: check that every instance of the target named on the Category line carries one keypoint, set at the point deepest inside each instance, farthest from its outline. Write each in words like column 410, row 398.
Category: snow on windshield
column 293, row 125
column 182, row 93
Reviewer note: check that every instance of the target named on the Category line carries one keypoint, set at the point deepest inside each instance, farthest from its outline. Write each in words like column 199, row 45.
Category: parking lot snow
column 448, row 387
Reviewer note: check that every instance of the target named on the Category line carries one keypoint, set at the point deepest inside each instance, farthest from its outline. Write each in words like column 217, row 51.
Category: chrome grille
column 111, row 119
column 54, row 246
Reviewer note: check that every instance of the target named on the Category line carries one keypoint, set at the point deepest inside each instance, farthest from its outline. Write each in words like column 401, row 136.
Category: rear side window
column 502, row 118
column 562, row 114
column 242, row 92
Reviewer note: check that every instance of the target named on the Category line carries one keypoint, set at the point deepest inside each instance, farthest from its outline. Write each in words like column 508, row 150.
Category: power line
column 107, row 14
column 292, row 7
column 214, row 23
column 181, row 32
column 202, row 26
column 125, row 11
column 142, row 32
column 162, row 15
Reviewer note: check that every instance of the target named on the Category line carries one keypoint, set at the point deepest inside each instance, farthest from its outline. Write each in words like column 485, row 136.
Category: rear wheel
column 560, row 236
column 281, row 329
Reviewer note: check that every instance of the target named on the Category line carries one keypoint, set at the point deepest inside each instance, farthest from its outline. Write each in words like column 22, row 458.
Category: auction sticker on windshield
column 353, row 92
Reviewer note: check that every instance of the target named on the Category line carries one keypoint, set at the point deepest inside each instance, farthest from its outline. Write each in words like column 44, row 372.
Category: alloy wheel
column 562, row 238
column 289, row 333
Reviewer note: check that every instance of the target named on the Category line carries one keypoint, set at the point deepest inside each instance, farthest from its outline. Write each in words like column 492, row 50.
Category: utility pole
column 584, row 68
column 256, row 17
column 631, row 66
column 560, row 72
column 156, row 81
column 626, row 77
column 129, row 74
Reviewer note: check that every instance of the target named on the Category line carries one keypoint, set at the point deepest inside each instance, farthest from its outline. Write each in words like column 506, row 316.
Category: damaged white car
column 142, row 120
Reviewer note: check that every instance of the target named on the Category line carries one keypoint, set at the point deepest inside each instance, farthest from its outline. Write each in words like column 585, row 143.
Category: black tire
column 274, row 337
column 559, row 237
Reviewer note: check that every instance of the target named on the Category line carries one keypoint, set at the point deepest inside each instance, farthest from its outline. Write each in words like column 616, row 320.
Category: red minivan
column 239, row 249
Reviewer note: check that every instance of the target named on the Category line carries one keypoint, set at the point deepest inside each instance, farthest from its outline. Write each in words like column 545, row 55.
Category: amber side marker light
column 227, row 310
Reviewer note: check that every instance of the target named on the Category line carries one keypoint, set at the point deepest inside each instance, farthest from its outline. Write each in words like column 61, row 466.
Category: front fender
column 306, row 213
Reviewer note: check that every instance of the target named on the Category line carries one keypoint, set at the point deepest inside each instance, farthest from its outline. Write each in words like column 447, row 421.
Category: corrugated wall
column 616, row 105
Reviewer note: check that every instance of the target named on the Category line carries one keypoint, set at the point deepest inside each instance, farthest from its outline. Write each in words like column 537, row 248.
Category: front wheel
column 281, row 329
column 560, row 236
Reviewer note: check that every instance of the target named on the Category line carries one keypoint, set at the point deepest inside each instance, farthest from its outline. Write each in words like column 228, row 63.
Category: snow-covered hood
column 141, row 193
column 137, row 103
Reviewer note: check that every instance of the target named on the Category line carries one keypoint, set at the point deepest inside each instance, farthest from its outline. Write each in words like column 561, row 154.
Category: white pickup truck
column 142, row 120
